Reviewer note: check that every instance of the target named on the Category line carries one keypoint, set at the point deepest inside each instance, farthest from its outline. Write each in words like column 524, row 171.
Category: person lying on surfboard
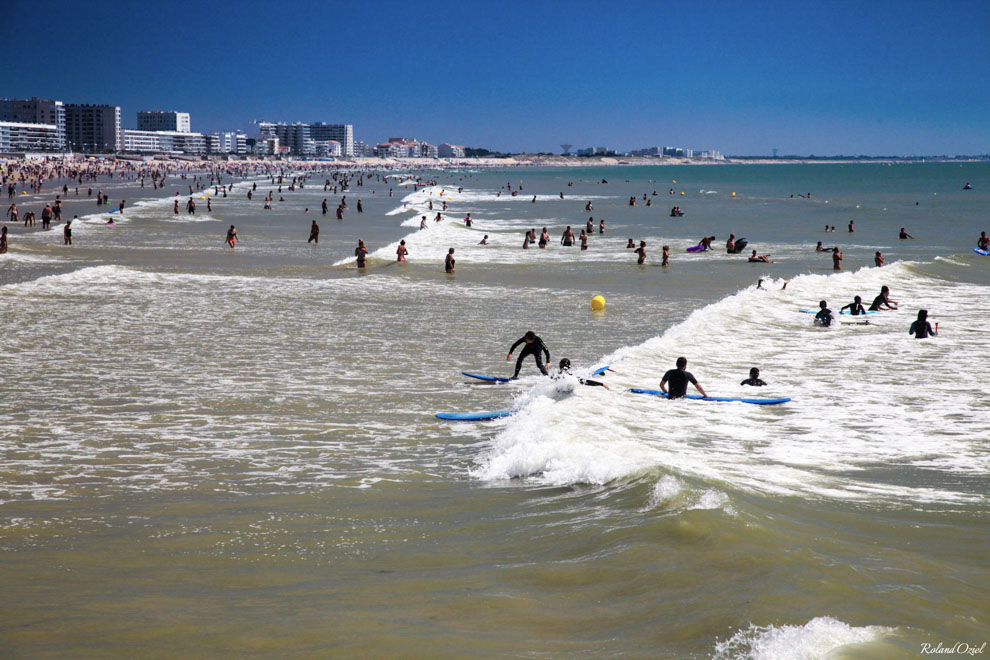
column 564, row 369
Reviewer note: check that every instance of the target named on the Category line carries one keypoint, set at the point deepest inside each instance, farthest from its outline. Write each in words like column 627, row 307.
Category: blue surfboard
column 599, row 371
column 476, row 416
column 983, row 252
column 491, row 379
column 698, row 397
column 815, row 311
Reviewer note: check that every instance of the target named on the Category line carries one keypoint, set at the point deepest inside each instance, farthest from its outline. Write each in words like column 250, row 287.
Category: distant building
column 427, row 150
column 593, row 151
column 93, row 127
column 447, row 150
column 165, row 142
column 23, row 137
column 362, row 150
column 163, row 120
column 649, row 152
column 342, row 133
column 37, row 111
column 231, row 142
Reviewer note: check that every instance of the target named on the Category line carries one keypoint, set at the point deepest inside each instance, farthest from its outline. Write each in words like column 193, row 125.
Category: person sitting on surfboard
column 754, row 378
column 564, row 369
column 984, row 241
column 679, row 379
column 533, row 346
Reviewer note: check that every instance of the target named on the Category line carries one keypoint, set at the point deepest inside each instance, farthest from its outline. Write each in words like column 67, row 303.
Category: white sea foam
column 819, row 638
column 863, row 397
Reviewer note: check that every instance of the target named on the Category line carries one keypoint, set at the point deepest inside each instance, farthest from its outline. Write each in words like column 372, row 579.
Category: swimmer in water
column 666, row 256
column 641, row 251
column 754, row 378
column 361, row 252
column 231, row 238
column 836, row 259
column 401, row 251
column 706, row 242
column 903, row 234
column 878, row 259
column 759, row 258
column 314, row 233
column 449, row 261
column 484, row 241
column 921, row 328
column 824, row 315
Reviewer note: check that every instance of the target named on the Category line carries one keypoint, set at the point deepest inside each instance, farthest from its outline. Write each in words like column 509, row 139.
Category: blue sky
column 904, row 78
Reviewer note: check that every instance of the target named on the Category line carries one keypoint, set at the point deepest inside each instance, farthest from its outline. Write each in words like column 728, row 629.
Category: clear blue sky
column 904, row 78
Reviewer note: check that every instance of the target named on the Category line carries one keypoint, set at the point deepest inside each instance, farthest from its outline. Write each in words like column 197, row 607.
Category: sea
column 215, row 452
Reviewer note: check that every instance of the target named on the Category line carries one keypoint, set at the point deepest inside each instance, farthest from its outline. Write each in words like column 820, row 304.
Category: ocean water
column 214, row 452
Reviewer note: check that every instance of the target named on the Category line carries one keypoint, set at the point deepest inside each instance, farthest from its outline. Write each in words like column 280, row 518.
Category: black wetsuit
column 921, row 329
column 755, row 382
column 879, row 300
column 583, row 381
column 854, row 308
column 677, row 382
column 535, row 348
column 824, row 317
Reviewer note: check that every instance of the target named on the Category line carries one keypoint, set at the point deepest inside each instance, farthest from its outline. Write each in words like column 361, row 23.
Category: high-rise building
column 231, row 142
column 163, row 120
column 37, row 111
column 342, row 133
column 93, row 127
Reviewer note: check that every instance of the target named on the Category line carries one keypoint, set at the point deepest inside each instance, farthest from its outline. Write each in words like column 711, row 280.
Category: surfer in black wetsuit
column 565, row 370
column 533, row 346
column 882, row 299
column 921, row 328
column 824, row 315
column 855, row 307
column 679, row 379
column 754, row 378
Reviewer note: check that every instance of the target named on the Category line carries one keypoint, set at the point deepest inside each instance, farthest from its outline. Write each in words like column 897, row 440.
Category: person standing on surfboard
column 533, row 346
column 679, row 379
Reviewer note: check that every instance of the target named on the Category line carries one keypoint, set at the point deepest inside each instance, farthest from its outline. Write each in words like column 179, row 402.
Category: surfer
column 824, row 315
column 564, row 369
column 448, row 262
column 401, row 251
column 533, row 346
column 984, row 241
column 754, row 378
column 883, row 299
column 314, row 233
column 855, row 307
column 679, row 379
column 921, row 328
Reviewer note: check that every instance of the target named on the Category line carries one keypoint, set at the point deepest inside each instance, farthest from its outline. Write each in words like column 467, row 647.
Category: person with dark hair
column 824, row 315
column 754, row 378
column 679, row 379
column 883, row 299
column 855, row 307
column 533, row 346
column 921, row 328
column 564, row 369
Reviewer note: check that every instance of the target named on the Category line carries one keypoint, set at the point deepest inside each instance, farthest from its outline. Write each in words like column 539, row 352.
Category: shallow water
column 233, row 452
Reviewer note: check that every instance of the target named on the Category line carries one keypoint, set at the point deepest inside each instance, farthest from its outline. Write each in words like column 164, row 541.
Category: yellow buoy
column 598, row 303
column 733, row 194
column 682, row 193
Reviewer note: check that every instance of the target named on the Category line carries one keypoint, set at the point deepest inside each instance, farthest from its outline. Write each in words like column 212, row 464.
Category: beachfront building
column 593, row 151
column 391, row 150
column 649, row 152
column 447, row 150
column 264, row 145
column 342, row 133
column 93, row 127
column 329, row 149
column 37, row 111
column 362, row 150
column 163, row 120
column 427, row 150
column 164, row 142
column 21, row 137
column 231, row 142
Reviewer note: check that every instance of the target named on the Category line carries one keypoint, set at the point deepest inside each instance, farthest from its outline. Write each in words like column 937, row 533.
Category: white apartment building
column 163, row 120
column 447, row 150
column 16, row 137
